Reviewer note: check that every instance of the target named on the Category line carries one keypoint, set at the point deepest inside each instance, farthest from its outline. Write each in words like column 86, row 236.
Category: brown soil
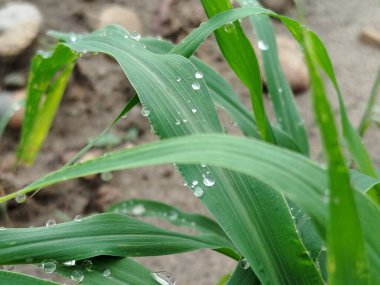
column 98, row 89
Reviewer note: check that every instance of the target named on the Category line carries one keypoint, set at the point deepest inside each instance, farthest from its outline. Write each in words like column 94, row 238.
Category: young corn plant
column 284, row 218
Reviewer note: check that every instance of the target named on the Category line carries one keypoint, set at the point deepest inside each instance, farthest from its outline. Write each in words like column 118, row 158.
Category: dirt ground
column 99, row 89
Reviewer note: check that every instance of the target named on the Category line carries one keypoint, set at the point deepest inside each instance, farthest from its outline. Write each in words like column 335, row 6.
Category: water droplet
column 208, row 180
column 73, row 38
column 244, row 263
column 263, row 46
column 196, row 86
column 106, row 176
column 199, row 192
column 173, row 215
column 203, row 165
column 145, row 111
column 194, row 183
column 184, row 120
column 138, row 210
column 106, row 273
column 3, row 228
column 78, row 218
column 125, row 115
column 69, row 263
column 49, row 266
column 77, row 276
column 194, row 110
column 50, row 223
column 126, row 37
column 178, row 79
column 198, row 75
column 164, row 277
column 229, row 27
column 177, row 122
column 280, row 90
column 20, row 197
column 87, row 264
column 136, row 36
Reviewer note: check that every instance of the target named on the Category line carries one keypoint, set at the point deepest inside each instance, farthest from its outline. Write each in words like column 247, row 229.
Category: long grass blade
column 240, row 55
column 281, row 94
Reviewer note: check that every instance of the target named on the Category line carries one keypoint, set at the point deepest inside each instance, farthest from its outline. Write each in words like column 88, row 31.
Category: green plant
column 304, row 224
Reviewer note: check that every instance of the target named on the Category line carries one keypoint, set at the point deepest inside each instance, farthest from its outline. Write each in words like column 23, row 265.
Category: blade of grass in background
column 169, row 214
column 355, row 146
column 43, row 98
column 253, row 216
column 281, row 94
column 305, row 183
column 366, row 120
column 347, row 257
column 238, row 52
column 109, row 271
column 103, row 234
column 13, row 278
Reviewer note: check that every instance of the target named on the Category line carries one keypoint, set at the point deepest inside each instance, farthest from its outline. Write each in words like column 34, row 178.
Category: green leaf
column 347, row 258
column 253, row 216
column 103, row 234
column 304, row 183
column 281, row 94
column 240, row 55
column 47, row 81
column 13, row 278
column 169, row 214
column 121, row 270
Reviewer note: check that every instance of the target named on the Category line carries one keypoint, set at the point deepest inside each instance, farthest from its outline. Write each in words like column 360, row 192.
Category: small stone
column 19, row 25
column 278, row 6
column 370, row 36
column 116, row 14
column 7, row 100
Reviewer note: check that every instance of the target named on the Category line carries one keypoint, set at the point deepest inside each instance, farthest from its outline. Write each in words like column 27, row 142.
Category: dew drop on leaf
column 208, row 180
column 77, row 276
column 229, row 27
column 138, row 210
column 87, row 264
column 49, row 266
column 20, row 197
column 196, row 86
column 199, row 192
column 106, row 273
column 136, row 36
column 198, row 75
column 50, row 223
column 244, row 263
column 145, row 111
column 164, row 277
column 178, row 79
column 263, row 46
